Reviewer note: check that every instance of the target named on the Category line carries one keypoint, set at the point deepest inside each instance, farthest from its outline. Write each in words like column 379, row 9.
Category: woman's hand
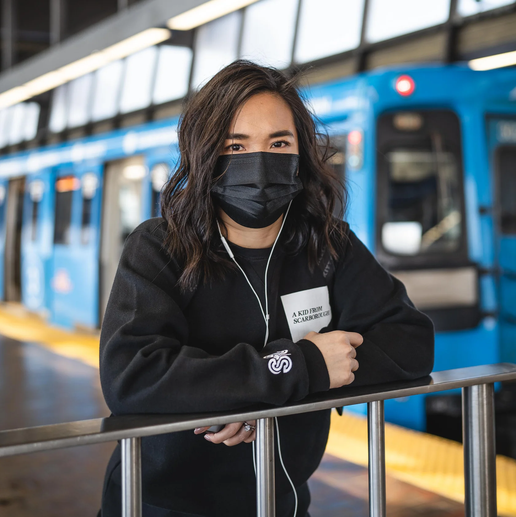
column 232, row 434
column 338, row 349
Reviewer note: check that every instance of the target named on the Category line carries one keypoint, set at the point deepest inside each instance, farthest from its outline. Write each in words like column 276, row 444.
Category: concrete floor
column 39, row 387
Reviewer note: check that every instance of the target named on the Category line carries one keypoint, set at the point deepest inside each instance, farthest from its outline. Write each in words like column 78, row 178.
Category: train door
column 122, row 211
column 3, row 210
column 75, row 273
column 13, row 214
column 502, row 143
column 421, row 237
column 36, row 241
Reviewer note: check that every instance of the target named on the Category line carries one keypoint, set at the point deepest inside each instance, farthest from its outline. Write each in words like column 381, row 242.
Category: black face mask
column 256, row 188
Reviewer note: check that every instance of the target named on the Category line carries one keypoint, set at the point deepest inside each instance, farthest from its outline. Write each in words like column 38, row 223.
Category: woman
column 248, row 290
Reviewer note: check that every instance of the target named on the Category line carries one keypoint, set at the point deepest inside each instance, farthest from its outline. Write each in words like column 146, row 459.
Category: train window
column 424, row 210
column 58, row 114
column 390, row 18
column 338, row 155
column 337, row 160
column 65, row 187
column 173, row 73
column 129, row 198
column 216, row 45
column 36, row 189
column 79, row 100
column 106, row 91
column 420, row 185
column 159, row 176
column 3, row 195
column 320, row 35
column 268, row 34
column 469, row 7
column 5, row 115
column 507, row 181
column 89, row 187
column 138, row 79
column 17, row 123
column 31, row 122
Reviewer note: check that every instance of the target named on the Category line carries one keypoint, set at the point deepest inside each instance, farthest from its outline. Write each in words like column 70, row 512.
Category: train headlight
column 159, row 175
column 355, row 150
column 89, row 185
column 36, row 189
column 405, row 85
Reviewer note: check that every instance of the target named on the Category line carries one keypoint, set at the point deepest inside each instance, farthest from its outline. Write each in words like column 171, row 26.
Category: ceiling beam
column 132, row 20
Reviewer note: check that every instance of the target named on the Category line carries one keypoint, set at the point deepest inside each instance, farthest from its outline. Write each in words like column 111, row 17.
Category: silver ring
column 249, row 427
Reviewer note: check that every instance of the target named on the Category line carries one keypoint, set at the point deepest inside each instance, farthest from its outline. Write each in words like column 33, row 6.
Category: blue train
column 429, row 157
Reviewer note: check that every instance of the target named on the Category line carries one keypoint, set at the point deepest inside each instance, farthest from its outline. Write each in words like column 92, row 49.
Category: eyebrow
column 242, row 136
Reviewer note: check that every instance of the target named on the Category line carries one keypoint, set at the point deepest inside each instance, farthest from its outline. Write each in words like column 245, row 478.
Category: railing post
column 265, row 487
column 131, row 477
column 478, row 428
column 376, row 436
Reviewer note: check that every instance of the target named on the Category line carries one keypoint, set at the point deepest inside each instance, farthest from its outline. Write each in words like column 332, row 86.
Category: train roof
column 433, row 85
column 373, row 91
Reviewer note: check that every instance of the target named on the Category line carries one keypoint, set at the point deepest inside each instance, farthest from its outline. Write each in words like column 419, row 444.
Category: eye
column 280, row 143
column 234, row 147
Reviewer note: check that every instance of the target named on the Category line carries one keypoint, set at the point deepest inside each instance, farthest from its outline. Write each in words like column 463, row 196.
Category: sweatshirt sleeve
column 149, row 365
column 398, row 339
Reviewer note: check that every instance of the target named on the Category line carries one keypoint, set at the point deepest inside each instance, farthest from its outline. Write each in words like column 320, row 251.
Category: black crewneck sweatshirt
column 164, row 352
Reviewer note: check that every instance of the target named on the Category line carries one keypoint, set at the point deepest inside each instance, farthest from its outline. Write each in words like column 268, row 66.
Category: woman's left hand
column 232, row 434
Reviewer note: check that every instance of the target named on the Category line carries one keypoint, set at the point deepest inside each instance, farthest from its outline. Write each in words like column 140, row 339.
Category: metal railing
column 476, row 382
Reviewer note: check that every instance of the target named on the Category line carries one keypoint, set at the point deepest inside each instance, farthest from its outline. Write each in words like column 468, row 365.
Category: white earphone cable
column 265, row 314
column 283, row 465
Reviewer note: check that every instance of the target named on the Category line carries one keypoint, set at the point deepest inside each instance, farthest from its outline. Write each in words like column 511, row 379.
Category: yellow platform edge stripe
column 17, row 323
column 426, row 461
column 423, row 460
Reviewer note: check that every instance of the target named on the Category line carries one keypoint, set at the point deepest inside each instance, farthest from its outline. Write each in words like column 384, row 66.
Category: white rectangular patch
column 307, row 311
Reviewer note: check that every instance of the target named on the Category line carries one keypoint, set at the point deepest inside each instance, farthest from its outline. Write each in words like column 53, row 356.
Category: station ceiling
column 78, row 28
column 43, row 39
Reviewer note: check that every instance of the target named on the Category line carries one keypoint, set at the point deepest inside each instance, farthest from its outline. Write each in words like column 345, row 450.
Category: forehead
column 265, row 112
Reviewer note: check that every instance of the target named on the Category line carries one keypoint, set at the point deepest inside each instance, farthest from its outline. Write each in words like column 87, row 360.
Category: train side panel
column 37, row 242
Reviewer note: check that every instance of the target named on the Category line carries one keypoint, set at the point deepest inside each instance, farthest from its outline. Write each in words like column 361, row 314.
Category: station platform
column 48, row 375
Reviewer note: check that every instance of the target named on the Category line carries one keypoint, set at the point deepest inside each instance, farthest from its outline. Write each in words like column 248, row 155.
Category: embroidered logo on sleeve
column 279, row 362
column 307, row 311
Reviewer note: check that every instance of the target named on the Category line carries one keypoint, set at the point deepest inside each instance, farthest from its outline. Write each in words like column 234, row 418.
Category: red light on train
column 355, row 137
column 405, row 85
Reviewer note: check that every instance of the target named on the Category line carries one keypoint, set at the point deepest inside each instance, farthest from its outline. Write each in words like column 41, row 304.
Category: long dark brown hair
column 186, row 204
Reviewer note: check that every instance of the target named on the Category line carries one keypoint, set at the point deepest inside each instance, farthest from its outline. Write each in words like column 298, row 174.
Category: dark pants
column 112, row 505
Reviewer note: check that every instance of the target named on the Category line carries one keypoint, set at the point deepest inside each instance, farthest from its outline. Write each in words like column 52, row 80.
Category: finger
column 251, row 437
column 353, row 352
column 200, row 430
column 237, row 438
column 355, row 339
column 354, row 365
column 226, row 433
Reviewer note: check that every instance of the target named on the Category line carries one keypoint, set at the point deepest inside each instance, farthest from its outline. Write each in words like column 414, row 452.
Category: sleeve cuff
column 319, row 379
